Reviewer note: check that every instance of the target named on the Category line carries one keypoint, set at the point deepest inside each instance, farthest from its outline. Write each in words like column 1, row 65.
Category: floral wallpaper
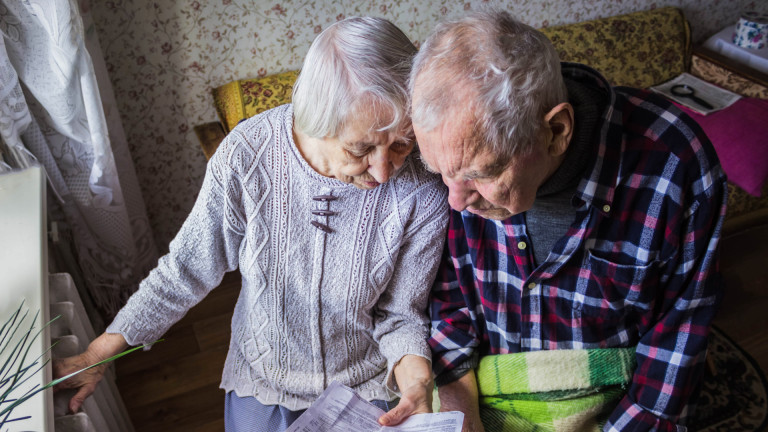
column 165, row 56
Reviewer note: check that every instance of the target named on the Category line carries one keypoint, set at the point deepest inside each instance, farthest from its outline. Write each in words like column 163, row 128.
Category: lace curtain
column 57, row 110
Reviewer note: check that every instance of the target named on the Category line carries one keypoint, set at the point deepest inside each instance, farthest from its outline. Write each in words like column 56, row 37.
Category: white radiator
column 24, row 275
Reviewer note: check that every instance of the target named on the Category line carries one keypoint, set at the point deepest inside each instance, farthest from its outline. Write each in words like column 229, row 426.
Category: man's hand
column 414, row 377
column 461, row 395
column 103, row 347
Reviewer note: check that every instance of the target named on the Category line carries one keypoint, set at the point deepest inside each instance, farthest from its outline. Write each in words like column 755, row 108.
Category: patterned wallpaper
column 164, row 56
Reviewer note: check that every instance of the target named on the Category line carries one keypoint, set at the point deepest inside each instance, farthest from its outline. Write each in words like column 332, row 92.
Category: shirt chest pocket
column 606, row 288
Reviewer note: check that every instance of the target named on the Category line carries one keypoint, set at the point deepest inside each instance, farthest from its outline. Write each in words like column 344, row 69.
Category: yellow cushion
column 242, row 99
column 637, row 50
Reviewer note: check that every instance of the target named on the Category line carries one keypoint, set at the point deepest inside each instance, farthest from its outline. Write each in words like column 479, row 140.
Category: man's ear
column 559, row 120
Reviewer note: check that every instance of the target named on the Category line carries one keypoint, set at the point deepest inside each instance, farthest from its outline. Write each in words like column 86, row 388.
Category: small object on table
column 705, row 99
column 751, row 30
column 687, row 91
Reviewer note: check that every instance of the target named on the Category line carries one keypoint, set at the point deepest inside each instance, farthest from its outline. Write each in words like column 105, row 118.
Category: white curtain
column 57, row 109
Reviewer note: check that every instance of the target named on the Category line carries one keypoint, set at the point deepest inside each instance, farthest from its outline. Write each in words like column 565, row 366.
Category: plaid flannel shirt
column 637, row 267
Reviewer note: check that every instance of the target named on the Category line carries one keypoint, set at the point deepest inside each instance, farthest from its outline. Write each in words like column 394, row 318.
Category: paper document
column 696, row 94
column 340, row 409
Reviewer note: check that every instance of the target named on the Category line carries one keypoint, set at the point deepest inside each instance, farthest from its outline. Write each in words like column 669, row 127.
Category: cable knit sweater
column 342, row 300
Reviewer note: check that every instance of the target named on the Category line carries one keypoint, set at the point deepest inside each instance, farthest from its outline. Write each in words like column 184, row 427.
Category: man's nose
column 380, row 165
column 459, row 194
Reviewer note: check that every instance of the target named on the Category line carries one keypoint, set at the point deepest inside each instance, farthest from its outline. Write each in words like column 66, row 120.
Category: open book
column 696, row 94
column 339, row 408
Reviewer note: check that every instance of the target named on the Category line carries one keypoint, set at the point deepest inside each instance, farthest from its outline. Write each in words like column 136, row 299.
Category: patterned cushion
column 742, row 203
column 242, row 99
column 637, row 50
column 717, row 74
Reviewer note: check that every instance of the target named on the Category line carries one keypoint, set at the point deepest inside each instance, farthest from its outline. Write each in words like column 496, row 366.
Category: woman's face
column 365, row 157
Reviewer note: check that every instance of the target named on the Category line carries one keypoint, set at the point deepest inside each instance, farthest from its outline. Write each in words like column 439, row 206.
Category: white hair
column 360, row 64
column 508, row 72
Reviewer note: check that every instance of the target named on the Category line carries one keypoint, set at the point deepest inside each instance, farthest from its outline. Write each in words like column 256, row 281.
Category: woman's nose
column 381, row 166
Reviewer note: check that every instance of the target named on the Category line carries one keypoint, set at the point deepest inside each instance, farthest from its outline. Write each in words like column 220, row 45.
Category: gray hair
column 508, row 71
column 360, row 63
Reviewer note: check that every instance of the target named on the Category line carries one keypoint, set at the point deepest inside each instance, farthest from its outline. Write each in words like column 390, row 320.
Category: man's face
column 477, row 181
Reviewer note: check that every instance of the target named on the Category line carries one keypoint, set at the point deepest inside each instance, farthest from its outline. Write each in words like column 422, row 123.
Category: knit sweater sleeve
column 401, row 323
column 205, row 248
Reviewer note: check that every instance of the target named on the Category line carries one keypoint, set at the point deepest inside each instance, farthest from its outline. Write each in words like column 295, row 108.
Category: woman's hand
column 85, row 381
column 103, row 347
column 414, row 377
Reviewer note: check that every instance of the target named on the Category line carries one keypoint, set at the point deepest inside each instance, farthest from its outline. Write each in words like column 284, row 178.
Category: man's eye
column 481, row 178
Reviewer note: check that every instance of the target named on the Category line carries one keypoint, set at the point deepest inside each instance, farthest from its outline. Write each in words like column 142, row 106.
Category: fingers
column 56, row 367
column 79, row 398
column 410, row 404
column 61, row 369
column 395, row 415
column 85, row 382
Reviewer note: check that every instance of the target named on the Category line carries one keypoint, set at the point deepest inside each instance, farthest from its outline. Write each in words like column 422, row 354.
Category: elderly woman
column 336, row 231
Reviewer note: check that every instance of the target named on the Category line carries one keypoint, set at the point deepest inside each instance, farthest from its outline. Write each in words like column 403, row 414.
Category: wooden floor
column 174, row 386
column 744, row 312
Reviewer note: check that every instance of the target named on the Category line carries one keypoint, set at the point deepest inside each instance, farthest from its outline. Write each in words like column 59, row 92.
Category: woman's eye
column 401, row 147
column 358, row 153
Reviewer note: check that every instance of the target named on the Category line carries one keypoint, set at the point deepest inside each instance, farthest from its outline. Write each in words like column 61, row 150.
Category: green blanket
column 558, row 390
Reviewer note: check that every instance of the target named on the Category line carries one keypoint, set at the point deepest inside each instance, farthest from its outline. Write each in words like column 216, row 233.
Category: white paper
column 718, row 97
column 340, row 409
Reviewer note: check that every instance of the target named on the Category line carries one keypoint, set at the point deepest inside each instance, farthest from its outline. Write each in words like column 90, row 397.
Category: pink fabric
column 740, row 136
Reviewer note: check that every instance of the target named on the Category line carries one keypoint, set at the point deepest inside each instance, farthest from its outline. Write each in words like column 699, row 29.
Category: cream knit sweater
column 315, row 306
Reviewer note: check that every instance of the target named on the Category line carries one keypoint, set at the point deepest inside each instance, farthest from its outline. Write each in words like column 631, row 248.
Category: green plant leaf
column 24, row 344
column 16, row 371
column 64, row 378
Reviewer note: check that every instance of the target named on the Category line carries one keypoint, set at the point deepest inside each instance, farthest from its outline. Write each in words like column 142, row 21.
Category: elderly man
column 579, row 278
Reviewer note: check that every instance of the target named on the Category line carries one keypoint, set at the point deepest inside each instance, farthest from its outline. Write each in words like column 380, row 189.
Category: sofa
column 640, row 49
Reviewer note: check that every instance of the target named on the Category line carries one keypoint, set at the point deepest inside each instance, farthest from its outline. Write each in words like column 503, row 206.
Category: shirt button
column 531, row 285
column 606, row 208
column 521, row 245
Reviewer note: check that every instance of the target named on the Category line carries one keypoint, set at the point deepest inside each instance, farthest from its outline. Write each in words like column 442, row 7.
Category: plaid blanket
column 558, row 390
